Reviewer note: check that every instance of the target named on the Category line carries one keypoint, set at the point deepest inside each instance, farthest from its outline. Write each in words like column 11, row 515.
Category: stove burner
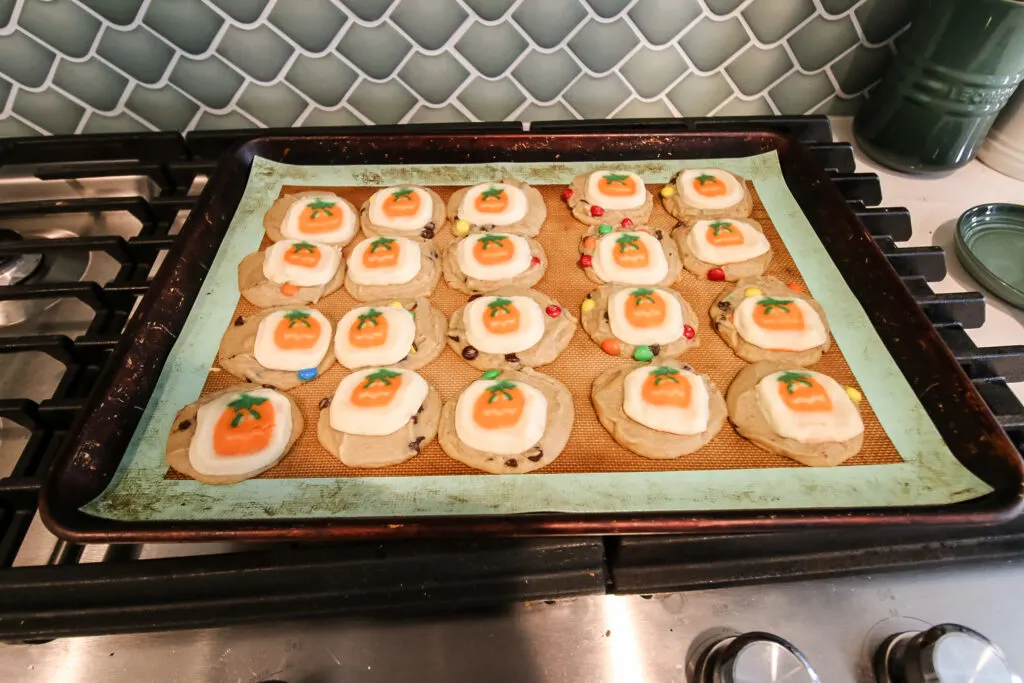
column 37, row 269
column 15, row 269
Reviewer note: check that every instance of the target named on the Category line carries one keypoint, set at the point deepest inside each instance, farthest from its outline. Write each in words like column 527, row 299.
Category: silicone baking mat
column 904, row 460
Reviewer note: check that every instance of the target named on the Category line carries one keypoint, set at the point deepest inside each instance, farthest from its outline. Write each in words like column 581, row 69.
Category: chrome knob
column 947, row 653
column 753, row 658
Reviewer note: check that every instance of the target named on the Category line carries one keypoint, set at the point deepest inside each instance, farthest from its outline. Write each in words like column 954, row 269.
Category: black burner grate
column 122, row 593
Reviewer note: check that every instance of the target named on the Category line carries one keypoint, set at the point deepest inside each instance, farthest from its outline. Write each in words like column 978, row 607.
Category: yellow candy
column 668, row 191
column 412, row 350
column 588, row 305
column 461, row 227
column 752, row 291
column 396, row 304
column 854, row 395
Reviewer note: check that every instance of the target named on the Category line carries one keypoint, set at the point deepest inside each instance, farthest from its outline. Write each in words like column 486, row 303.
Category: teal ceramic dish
column 990, row 245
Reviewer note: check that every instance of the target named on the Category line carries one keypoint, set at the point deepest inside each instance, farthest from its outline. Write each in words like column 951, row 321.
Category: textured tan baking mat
column 590, row 449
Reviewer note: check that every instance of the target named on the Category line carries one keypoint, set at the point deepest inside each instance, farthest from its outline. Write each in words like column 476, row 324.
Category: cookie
column 507, row 206
column 707, row 193
column 508, row 422
column 723, row 249
column 609, row 197
column 391, row 268
column 354, row 428
column 641, row 257
column 321, row 217
column 660, row 410
column 278, row 347
column 485, row 262
column 763, row 319
column 403, row 211
column 511, row 329
column 223, row 439
column 639, row 322
column 404, row 334
column 798, row 413
column 290, row 273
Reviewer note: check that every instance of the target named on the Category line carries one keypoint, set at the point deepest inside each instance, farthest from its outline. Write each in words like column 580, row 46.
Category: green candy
column 491, row 374
column 604, row 229
column 643, row 353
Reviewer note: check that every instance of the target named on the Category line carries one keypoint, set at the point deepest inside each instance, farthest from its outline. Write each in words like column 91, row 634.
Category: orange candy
column 288, row 289
column 589, row 243
column 645, row 308
column 795, row 286
column 378, row 390
column 723, row 234
column 297, row 330
column 382, row 253
column 665, row 386
column 778, row 314
column 617, row 185
column 501, row 316
column 402, row 203
column 500, row 406
column 708, row 185
column 245, row 427
column 611, row 346
column 630, row 252
column 369, row 330
column 492, row 200
column 491, row 250
column 803, row 394
column 303, row 254
column 320, row 216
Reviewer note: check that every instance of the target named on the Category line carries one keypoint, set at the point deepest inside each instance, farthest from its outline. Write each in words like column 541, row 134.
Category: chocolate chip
column 414, row 446
column 470, row 352
column 687, row 367
column 239, row 321
column 474, row 297
column 488, row 227
column 413, row 307
column 511, row 462
column 722, row 320
column 537, row 457
column 511, row 358
column 655, row 349
column 659, row 234
column 184, row 424
column 416, row 418
column 324, row 402
column 724, row 305
column 428, row 231
column 606, row 316
column 454, row 338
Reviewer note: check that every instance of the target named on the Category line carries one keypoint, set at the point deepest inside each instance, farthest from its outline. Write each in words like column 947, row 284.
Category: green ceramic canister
column 959, row 63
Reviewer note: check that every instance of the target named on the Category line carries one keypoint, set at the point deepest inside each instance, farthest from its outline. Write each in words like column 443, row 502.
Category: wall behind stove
column 89, row 66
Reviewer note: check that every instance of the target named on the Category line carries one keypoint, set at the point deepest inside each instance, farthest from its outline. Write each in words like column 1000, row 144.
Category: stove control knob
column 947, row 653
column 753, row 658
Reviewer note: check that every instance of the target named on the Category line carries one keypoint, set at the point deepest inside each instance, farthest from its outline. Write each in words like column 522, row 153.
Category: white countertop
column 935, row 203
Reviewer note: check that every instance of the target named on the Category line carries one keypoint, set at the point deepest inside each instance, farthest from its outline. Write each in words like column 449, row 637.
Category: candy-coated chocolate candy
column 611, row 347
column 643, row 354
column 716, row 274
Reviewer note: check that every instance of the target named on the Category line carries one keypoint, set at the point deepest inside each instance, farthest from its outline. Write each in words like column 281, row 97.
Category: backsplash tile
column 71, row 66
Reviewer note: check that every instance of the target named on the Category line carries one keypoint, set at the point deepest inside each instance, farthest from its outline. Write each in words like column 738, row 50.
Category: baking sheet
column 594, row 474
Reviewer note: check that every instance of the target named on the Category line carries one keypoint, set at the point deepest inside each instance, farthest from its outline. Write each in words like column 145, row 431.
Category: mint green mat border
column 929, row 474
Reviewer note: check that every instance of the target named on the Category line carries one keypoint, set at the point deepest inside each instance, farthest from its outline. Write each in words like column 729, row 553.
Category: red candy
column 553, row 311
column 566, row 194
column 611, row 346
column 688, row 332
column 716, row 274
column 596, row 211
column 627, row 223
column 535, row 261
column 586, row 261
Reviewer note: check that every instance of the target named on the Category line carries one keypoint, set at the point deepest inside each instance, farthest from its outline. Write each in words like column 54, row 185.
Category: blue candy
column 307, row 374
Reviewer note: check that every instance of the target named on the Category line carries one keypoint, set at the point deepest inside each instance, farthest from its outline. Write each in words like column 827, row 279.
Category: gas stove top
column 96, row 214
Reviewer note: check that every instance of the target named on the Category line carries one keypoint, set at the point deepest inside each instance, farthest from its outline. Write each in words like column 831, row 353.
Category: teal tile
column 209, row 80
column 62, row 24
column 165, row 107
column 548, row 23
column 661, row 21
column 120, row 123
column 546, row 74
column 822, row 40
column 638, row 109
column 24, row 60
column 433, row 77
column 49, row 110
column 376, row 51
column 722, row 7
column 490, row 10
column 837, row 6
column 13, row 128
column 738, row 107
column 230, row 121
column 272, row 105
column 312, row 24
column 709, row 43
column 242, row 11
column 771, row 20
column 137, row 52
column 596, row 97
column 651, row 71
column 602, row 46
column 607, row 9
column 491, row 48
column 189, row 24
column 697, row 95
column 5, row 91
column 381, row 102
column 861, row 67
column 491, row 100
column 368, row 10
column 429, row 22
column 336, row 117
column 881, row 20
column 91, row 81
column 446, row 114
column 755, row 69
column 120, row 12
column 258, row 52
column 546, row 112
column 6, row 11
column 840, row 106
column 325, row 80
column 798, row 93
